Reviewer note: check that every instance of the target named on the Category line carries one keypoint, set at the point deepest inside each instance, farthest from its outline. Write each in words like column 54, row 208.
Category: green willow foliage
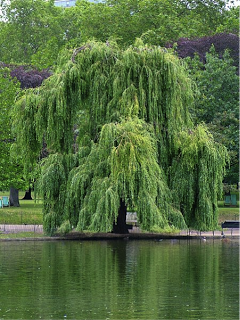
column 135, row 141
column 195, row 176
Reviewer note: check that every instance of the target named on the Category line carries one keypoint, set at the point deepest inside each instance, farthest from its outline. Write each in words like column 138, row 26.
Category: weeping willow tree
column 119, row 135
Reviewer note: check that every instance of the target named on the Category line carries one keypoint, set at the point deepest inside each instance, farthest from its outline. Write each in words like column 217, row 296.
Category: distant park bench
column 4, row 202
column 230, row 224
column 230, row 200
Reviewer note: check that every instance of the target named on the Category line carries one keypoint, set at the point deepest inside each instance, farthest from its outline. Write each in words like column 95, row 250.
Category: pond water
column 169, row 279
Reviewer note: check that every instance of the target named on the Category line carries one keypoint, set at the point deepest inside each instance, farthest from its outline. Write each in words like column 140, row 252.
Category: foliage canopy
column 12, row 79
column 117, row 126
column 10, row 168
column 217, row 103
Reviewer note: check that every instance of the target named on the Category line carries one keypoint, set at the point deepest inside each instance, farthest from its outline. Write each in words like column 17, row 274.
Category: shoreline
column 134, row 234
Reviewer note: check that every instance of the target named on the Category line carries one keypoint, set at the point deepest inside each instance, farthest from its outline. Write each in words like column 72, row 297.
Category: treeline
column 33, row 32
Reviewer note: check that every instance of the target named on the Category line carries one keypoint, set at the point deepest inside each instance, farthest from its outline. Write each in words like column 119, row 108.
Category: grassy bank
column 21, row 235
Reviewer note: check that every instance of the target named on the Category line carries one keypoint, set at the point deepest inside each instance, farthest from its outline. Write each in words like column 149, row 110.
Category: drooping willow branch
column 77, row 50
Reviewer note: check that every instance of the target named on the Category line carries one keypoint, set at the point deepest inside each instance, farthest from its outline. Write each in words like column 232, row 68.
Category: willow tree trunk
column 121, row 226
column 14, row 199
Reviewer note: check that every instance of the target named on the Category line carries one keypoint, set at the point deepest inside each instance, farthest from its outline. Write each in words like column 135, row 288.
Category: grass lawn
column 29, row 212
column 21, row 235
column 229, row 213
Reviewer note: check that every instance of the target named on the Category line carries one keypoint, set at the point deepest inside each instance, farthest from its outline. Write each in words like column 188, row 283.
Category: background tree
column 231, row 22
column 201, row 46
column 137, row 146
column 36, row 31
column 28, row 76
column 12, row 78
column 215, row 72
column 217, row 102
column 31, row 32
column 171, row 20
column 157, row 22
column 10, row 168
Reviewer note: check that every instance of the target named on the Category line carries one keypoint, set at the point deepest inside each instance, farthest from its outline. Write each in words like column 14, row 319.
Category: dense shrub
column 28, row 76
column 222, row 41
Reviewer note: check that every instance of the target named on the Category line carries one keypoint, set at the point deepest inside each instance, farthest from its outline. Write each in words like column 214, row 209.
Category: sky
column 236, row 3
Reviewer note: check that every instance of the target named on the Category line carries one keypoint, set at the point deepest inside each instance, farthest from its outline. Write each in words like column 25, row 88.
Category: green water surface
column 168, row 279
